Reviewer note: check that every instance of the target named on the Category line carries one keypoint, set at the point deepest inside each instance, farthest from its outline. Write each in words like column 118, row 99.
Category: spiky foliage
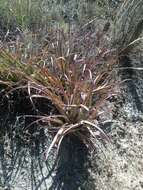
column 77, row 87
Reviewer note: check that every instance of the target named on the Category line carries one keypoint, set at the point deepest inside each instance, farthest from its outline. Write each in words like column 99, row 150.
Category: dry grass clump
column 77, row 87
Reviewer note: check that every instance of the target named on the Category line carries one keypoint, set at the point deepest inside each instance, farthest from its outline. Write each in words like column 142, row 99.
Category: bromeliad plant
column 77, row 88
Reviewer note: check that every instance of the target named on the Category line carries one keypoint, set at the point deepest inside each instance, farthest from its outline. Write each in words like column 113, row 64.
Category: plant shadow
column 22, row 164
column 71, row 173
column 130, row 75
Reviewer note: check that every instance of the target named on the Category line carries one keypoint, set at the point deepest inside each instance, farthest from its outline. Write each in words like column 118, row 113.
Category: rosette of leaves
column 77, row 88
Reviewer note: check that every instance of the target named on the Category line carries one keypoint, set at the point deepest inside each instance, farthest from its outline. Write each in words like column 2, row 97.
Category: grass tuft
column 77, row 87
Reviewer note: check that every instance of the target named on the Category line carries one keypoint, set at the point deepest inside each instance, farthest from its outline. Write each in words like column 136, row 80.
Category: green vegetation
column 36, row 14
